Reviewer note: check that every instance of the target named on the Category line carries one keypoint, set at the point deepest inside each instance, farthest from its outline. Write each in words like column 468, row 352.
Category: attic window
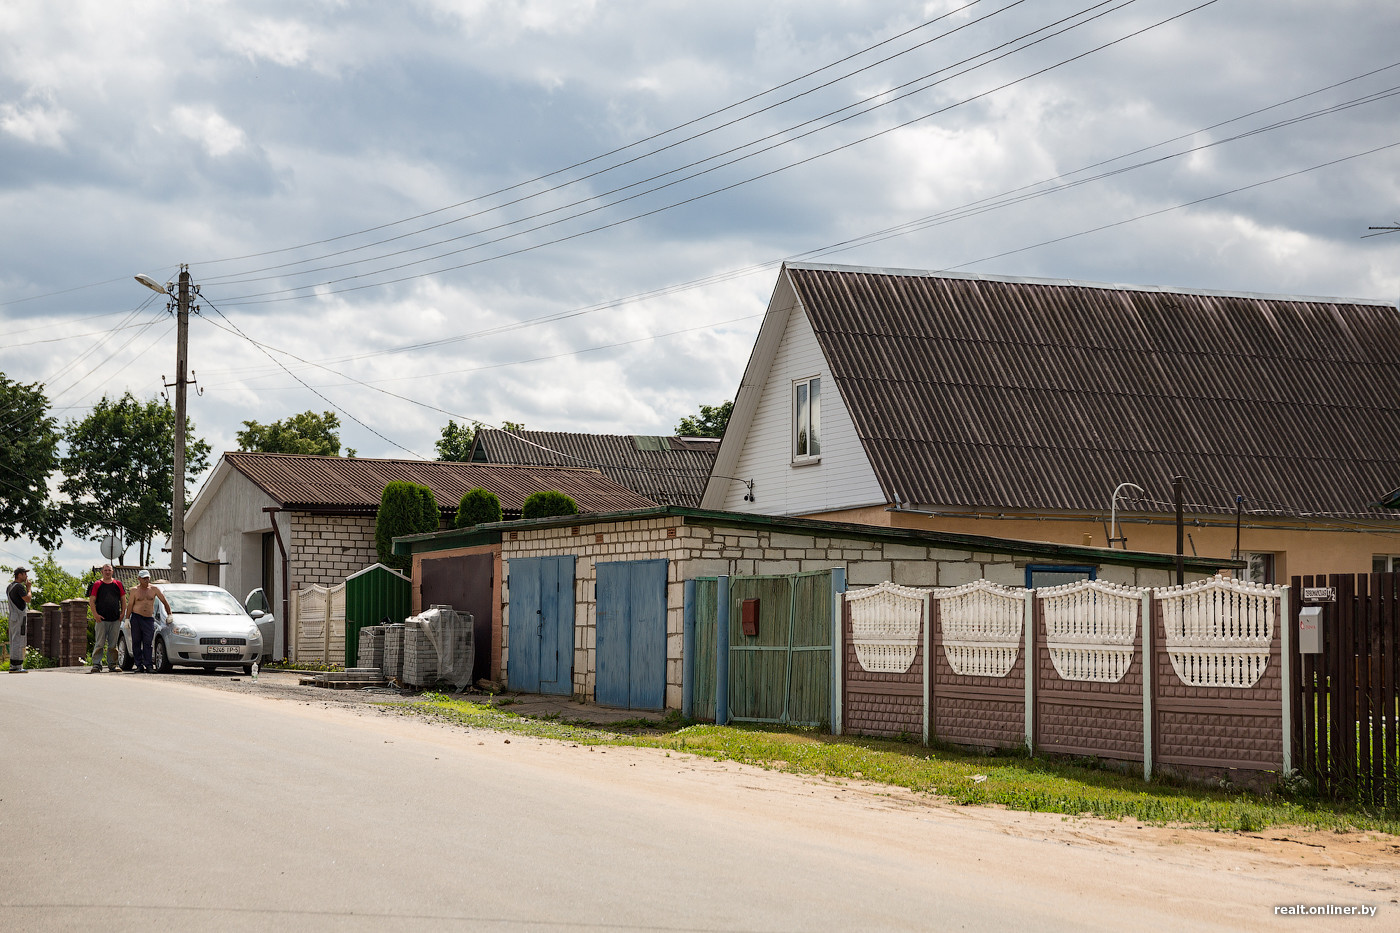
column 806, row 420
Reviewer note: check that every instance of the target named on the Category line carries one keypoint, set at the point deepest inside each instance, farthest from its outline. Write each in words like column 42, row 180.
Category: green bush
column 547, row 503
column 432, row 515
column 478, row 507
column 403, row 510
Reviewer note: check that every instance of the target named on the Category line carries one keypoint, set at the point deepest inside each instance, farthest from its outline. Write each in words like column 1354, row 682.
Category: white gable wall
column 843, row 479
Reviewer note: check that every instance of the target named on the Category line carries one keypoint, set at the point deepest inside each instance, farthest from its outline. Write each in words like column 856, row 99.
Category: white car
column 208, row 629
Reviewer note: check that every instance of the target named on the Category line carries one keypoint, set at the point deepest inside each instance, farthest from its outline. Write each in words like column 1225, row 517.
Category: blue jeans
column 143, row 631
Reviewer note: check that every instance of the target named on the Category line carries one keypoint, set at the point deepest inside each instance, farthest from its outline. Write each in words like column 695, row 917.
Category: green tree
column 431, row 519
column 709, row 423
column 306, row 433
column 28, row 456
column 401, row 512
column 546, row 503
column 119, row 469
column 512, row 426
column 477, row 507
column 456, row 441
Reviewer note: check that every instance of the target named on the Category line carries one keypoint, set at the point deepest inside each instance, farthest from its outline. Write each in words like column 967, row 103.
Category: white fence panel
column 1219, row 631
column 887, row 623
column 1090, row 628
column 983, row 625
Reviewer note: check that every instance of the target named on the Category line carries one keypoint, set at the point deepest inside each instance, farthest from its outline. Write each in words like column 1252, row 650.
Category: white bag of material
column 451, row 635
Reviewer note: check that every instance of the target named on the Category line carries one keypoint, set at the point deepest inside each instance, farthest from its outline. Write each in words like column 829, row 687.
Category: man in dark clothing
column 17, row 597
column 106, row 598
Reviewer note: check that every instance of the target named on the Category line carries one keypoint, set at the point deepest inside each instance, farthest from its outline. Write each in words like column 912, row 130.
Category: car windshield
column 204, row 602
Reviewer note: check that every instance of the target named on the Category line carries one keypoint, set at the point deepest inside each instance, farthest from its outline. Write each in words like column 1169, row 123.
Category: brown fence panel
column 975, row 710
column 880, row 702
column 1216, row 727
column 1075, row 717
column 1346, row 736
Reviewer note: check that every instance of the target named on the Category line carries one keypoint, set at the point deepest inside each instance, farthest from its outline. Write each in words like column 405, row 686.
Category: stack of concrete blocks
column 371, row 647
column 36, row 629
column 393, row 651
column 420, row 660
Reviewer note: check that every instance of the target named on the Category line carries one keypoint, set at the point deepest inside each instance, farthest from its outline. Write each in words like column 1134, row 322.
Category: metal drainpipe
column 286, row 595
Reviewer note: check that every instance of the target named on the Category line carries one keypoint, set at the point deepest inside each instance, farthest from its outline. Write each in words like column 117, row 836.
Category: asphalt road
column 131, row 802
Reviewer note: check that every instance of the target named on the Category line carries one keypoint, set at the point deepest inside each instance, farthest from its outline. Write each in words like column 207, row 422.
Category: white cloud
column 209, row 128
column 38, row 123
column 283, row 42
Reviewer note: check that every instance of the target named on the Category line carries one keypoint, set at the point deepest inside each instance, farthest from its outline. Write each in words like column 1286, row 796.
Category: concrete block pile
column 393, row 651
column 371, row 647
column 420, row 660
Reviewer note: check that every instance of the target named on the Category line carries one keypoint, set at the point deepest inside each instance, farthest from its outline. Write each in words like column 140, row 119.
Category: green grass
column 1017, row 782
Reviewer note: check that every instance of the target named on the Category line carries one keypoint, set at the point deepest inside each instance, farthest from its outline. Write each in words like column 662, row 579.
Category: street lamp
column 1113, row 512
column 182, row 344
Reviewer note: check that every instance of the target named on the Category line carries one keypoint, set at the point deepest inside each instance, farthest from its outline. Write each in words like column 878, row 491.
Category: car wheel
column 124, row 658
column 162, row 660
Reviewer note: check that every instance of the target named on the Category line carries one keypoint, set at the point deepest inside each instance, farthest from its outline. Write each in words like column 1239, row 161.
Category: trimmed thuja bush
column 404, row 509
column 478, row 507
column 547, row 503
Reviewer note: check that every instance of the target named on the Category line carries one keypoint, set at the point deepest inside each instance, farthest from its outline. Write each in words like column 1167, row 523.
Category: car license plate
column 223, row 649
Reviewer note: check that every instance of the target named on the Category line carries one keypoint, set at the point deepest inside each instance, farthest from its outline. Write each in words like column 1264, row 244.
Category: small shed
column 371, row 595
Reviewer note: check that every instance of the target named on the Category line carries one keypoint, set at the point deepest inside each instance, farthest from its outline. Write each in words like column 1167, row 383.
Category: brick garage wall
column 881, row 702
column 1079, row 717
column 647, row 539
column 1216, row 727
column 981, row 711
column 325, row 549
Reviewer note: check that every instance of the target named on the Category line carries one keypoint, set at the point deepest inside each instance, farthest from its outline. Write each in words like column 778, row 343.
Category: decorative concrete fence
column 1063, row 670
column 318, row 624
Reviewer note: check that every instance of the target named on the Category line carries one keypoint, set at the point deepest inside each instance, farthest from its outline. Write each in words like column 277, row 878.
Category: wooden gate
column 540, row 626
column 782, row 672
column 1344, row 700
column 631, row 634
column 702, row 649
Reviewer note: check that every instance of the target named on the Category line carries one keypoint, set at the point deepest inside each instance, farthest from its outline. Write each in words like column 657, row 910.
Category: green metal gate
column 782, row 672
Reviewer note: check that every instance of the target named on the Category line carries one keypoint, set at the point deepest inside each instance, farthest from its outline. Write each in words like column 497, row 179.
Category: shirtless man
column 141, row 606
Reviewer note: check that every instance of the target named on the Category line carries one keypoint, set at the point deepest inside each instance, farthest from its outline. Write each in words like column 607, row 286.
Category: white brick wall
column 325, row 549
column 697, row 551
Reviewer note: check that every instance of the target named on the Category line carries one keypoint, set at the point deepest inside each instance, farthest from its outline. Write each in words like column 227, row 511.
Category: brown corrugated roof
column 997, row 393
column 356, row 484
column 668, row 470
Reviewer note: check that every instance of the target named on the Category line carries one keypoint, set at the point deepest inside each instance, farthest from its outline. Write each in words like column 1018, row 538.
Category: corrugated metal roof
column 356, row 484
column 668, row 470
column 973, row 391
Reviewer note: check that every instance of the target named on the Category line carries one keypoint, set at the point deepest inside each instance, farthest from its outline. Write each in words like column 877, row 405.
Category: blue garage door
column 540, row 633
column 631, row 647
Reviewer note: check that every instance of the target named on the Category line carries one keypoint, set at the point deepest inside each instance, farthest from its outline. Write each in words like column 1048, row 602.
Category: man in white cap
column 141, row 607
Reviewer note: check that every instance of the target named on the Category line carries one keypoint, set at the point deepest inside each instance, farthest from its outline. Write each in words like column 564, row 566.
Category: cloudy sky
column 570, row 214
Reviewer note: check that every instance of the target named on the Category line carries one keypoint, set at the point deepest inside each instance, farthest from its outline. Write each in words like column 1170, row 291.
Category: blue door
column 540, row 645
column 631, row 636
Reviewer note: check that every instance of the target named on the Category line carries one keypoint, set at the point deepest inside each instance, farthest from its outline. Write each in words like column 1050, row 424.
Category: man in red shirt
column 106, row 597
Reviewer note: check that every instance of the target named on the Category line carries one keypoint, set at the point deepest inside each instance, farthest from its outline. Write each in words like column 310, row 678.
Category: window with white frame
column 1385, row 563
column 807, row 419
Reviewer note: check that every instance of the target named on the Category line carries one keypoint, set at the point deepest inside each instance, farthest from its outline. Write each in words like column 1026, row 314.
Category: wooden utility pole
column 182, row 358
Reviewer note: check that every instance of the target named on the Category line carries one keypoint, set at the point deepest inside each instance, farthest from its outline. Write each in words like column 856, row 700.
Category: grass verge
column 1015, row 782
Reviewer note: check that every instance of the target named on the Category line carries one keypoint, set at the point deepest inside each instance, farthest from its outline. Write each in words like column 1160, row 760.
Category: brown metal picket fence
column 1345, row 709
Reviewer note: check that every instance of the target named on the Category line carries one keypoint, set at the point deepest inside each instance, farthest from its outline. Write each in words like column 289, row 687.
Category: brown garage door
column 465, row 584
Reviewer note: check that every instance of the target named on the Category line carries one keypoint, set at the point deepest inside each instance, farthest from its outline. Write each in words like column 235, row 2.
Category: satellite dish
column 111, row 547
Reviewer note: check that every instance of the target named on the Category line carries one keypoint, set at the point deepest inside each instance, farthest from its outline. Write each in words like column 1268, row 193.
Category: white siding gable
column 843, row 478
